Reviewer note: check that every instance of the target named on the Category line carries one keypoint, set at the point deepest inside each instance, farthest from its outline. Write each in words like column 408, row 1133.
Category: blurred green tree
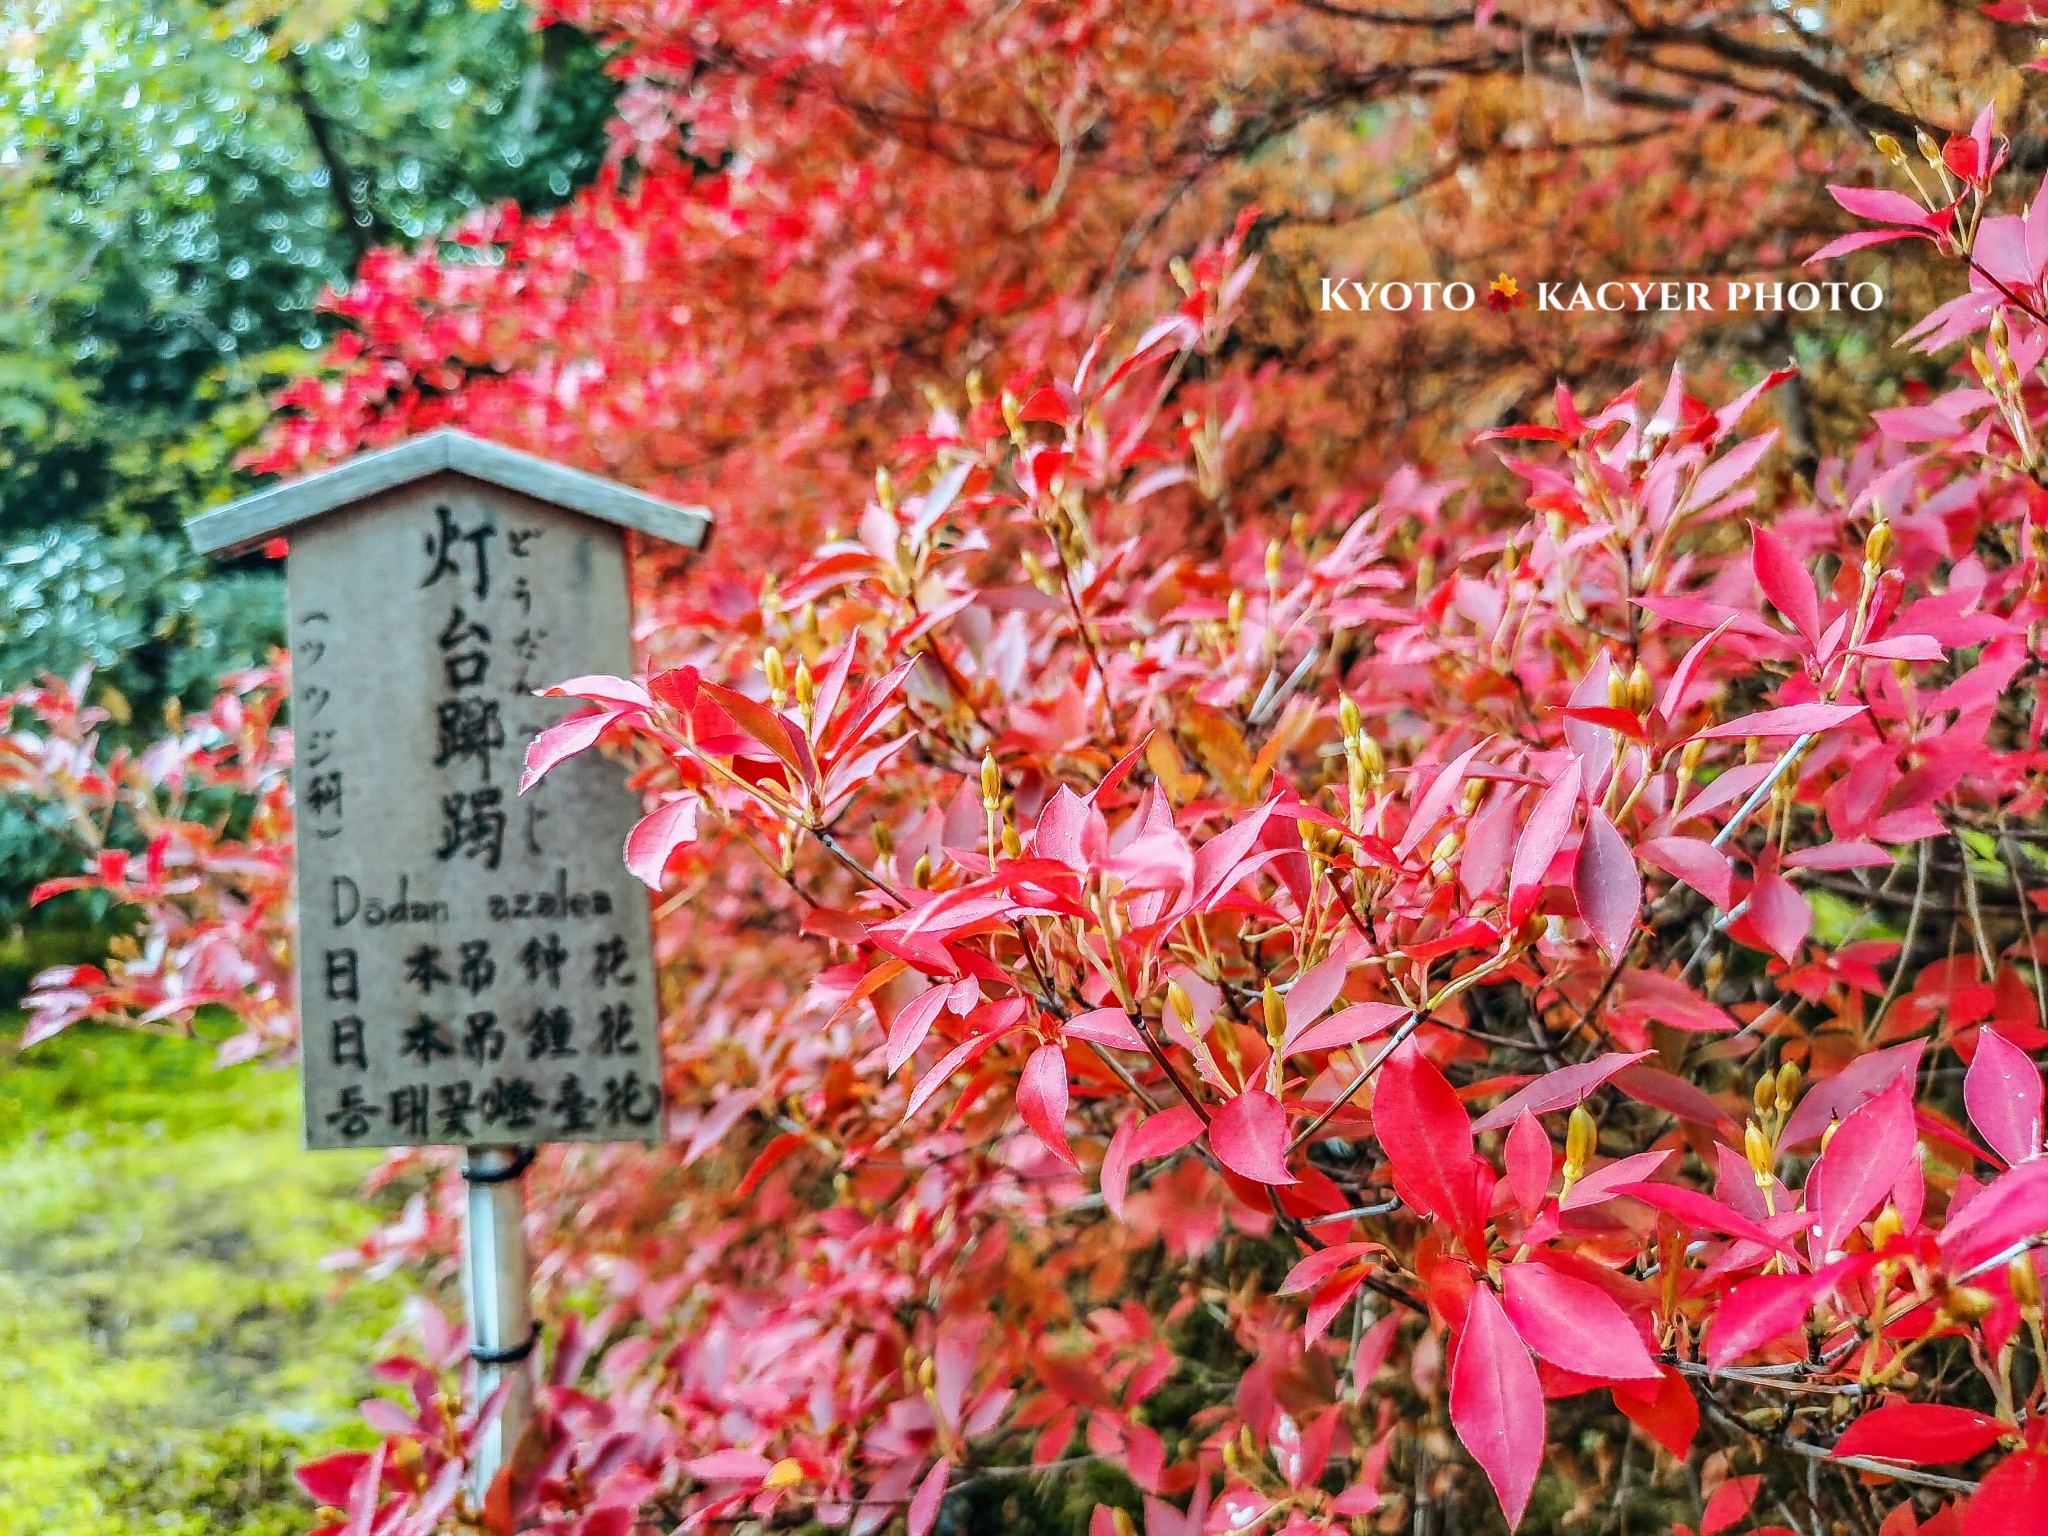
column 181, row 181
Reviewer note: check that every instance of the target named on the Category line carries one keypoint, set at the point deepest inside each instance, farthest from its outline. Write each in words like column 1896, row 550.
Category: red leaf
column 1607, row 884
column 1573, row 1323
column 931, row 1493
column 1923, row 1434
column 1669, row 1415
column 2002, row 1092
column 1321, row 1265
column 771, row 1155
column 1786, row 583
column 1042, row 1100
column 564, row 740
column 1541, row 838
column 1137, row 1140
column 2010, row 1500
column 1249, row 1136
column 656, row 837
column 1556, row 1090
column 1728, row 1504
column 1497, row 1403
column 1426, row 1135
column 1756, row 1312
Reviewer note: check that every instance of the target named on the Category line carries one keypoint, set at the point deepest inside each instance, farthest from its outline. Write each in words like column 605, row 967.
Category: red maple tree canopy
column 1272, row 920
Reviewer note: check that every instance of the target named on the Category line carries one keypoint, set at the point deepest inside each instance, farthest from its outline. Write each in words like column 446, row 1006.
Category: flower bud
column 1969, row 1303
column 991, row 781
column 1374, row 760
column 1787, row 1086
column 1642, row 693
column 1581, row 1136
column 1757, row 1148
column 1275, row 1009
column 2025, row 1284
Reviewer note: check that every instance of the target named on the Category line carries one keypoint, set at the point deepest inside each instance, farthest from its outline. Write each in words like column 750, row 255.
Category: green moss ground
column 169, row 1342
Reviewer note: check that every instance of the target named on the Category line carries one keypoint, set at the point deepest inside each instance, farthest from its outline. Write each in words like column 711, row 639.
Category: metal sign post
column 475, row 967
column 496, row 1284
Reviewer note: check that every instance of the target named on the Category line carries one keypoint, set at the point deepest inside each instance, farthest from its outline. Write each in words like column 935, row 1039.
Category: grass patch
column 169, row 1343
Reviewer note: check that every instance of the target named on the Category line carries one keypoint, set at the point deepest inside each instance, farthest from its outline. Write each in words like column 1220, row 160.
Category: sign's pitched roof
column 271, row 512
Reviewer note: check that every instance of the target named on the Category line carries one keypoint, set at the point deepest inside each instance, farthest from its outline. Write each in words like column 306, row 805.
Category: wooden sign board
column 475, row 967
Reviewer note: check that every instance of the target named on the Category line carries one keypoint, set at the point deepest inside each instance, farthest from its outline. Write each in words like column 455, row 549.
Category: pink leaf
column 1530, row 1162
column 931, row 1493
column 1921, row 1433
column 1348, row 1026
column 1497, row 1403
column 1881, row 205
column 654, row 838
column 1541, row 838
column 1780, row 916
column 1042, row 1100
column 1698, row 863
column 563, row 740
column 1607, row 884
column 1556, row 1090
column 1792, row 720
column 2002, row 1092
column 1864, row 1159
column 1249, row 1136
column 1137, row 1140
column 912, row 1023
column 1574, row 1324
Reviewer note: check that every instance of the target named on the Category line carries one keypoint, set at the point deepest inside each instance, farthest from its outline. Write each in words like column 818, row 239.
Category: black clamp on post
column 512, row 1354
column 522, row 1159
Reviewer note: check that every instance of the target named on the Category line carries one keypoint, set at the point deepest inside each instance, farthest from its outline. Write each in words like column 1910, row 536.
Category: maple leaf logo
column 1505, row 294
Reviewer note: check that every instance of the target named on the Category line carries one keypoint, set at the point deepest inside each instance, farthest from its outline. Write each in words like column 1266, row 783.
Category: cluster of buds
column 2000, row 375
column 1634, row 693
column 1364, row 763
column 1773, row 1100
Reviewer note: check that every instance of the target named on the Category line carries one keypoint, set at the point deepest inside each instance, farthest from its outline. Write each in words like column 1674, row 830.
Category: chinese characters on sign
column 474, row 967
